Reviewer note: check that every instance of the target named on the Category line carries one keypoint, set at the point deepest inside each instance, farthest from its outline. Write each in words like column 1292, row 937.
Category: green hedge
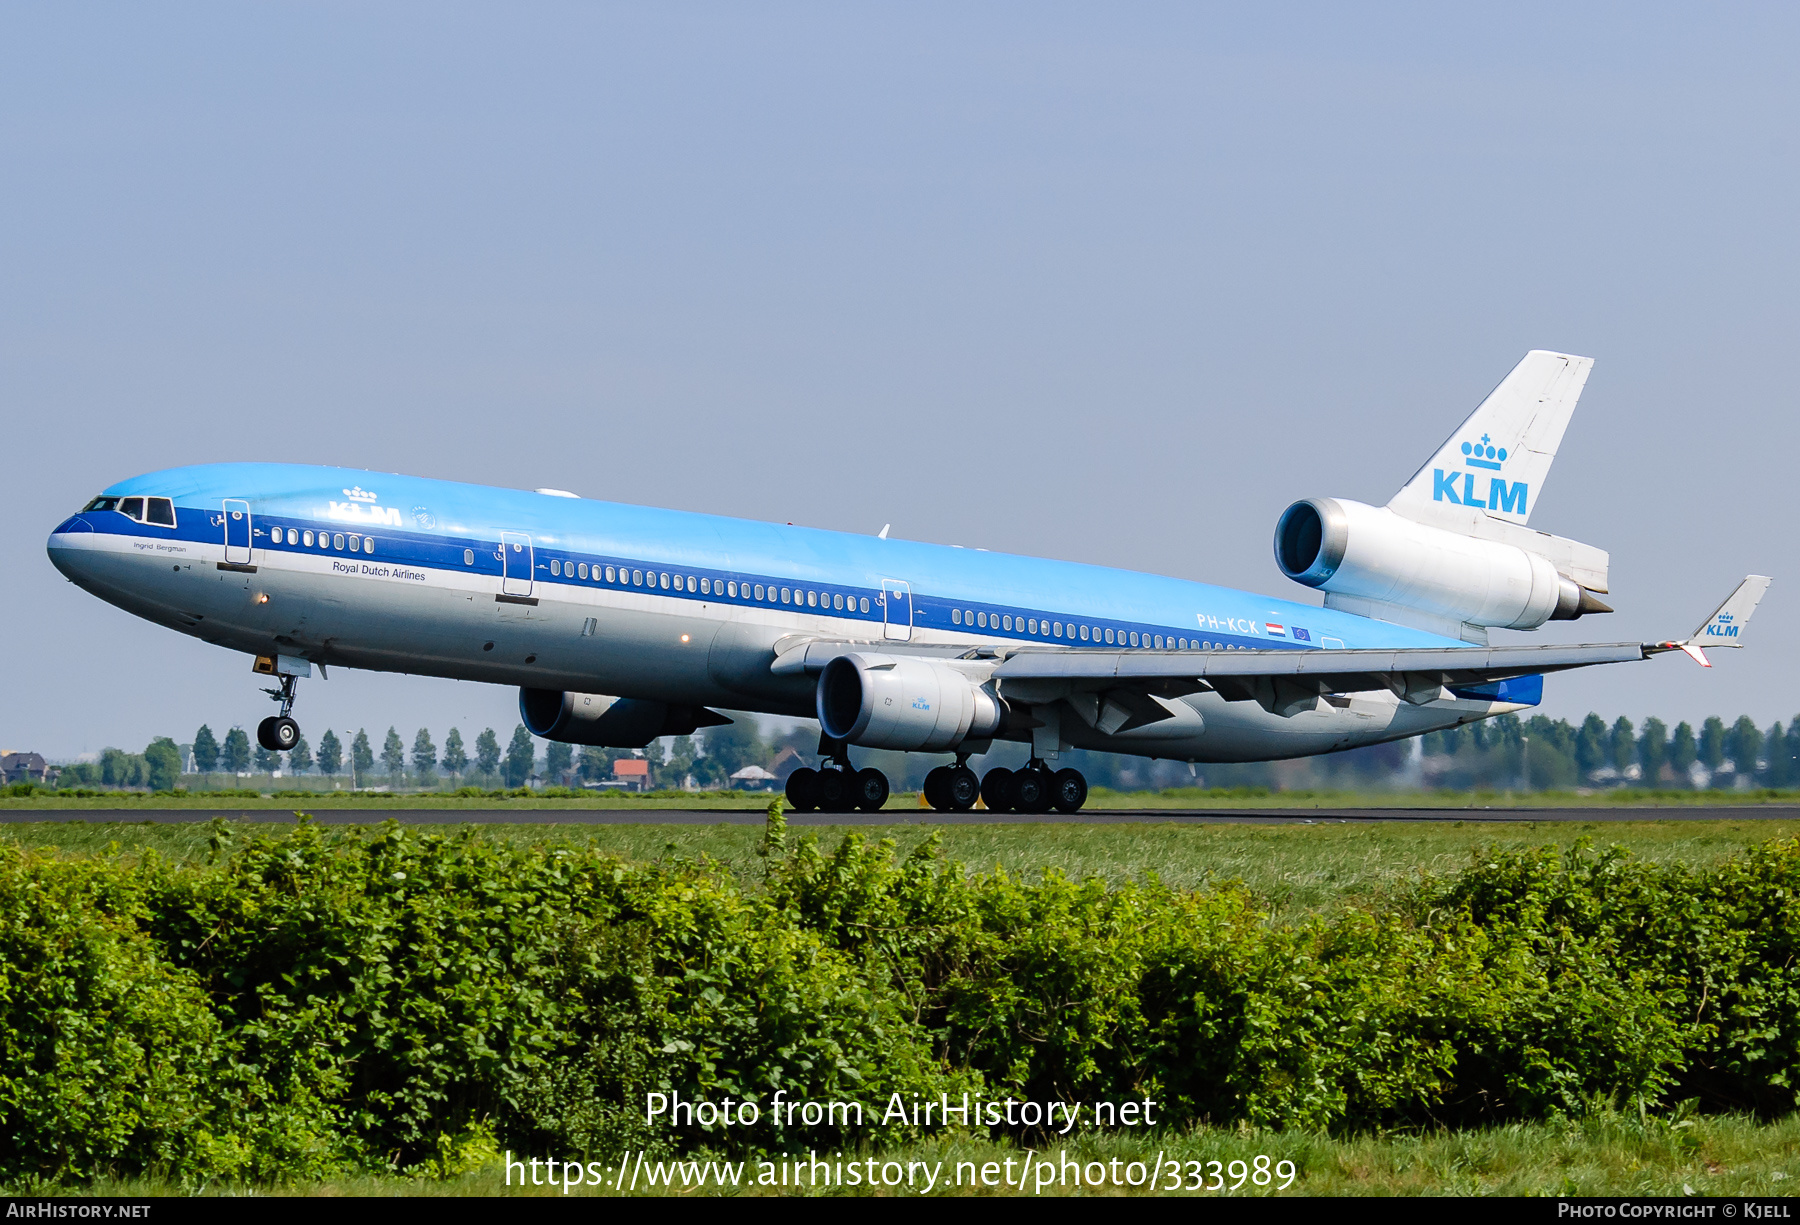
column 383, row 999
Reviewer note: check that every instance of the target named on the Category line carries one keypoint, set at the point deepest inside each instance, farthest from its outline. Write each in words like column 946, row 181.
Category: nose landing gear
column 279, row 733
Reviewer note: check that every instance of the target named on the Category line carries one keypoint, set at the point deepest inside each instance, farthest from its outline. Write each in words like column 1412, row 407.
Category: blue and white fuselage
column 557, row 593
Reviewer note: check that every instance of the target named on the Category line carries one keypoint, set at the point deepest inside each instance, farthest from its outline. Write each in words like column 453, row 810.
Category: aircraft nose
column 64, row 546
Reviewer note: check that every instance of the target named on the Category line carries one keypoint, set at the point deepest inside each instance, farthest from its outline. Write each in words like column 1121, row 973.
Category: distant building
column 752, row 777
column 633, row 772
column 26, row 768
column 786, row 762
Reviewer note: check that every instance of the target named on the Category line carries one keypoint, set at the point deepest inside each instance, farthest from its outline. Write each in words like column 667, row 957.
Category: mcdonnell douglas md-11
column 620, row 624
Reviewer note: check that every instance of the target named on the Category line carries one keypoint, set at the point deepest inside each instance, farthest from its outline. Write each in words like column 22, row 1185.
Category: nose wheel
column 279, row 733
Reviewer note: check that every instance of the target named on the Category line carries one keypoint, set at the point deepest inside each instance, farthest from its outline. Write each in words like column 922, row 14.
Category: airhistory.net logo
column 1459, row 487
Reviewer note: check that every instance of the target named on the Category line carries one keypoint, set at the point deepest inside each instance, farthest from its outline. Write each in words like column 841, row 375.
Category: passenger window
column 665, row 582
column 706, row 587
column 132, row 508
column 1056, row 628
column 355, row 543
column 1031, row 626
column 812, row 599
column 693, row 583
column 368, row 544
column 981, row 619
column 837, row 601
column 956, row 616
column 581, row 570
column 759, row 591
column 864, row 603
column 612, row 576
column 468, row 557
column 784, row 595
column 306, row 538
column 637, row 578
column 162, row 513
column 555, row 566
column 337, row 540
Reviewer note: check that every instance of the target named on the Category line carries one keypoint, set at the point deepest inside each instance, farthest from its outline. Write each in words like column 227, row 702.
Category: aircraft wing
column 1283, row 681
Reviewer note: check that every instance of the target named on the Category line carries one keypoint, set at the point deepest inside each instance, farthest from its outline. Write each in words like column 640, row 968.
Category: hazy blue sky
column 1111, row 283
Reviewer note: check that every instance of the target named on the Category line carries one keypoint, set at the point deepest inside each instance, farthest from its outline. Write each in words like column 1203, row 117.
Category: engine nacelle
column 900, row 702
column 1353, row 549
column 619, row 723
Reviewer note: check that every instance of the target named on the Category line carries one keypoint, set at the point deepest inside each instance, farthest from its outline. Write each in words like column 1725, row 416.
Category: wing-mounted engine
column 1369, row 560
column 903, row 702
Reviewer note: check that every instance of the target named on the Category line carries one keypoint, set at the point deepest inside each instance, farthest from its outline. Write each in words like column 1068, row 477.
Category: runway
column 911, row 816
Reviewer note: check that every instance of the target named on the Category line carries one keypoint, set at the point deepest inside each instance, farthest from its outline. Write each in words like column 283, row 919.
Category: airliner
column 620, row 624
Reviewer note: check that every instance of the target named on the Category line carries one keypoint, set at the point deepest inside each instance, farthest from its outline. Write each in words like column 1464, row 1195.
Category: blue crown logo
column 1725, row 618
column 1483, row 454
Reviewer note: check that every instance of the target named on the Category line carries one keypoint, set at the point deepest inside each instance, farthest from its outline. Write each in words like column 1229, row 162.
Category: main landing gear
column 1036, row 788
column 839, row 787
column 279, row 733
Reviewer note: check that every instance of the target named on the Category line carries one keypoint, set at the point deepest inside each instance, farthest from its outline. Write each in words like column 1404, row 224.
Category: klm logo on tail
column 1722, row 626
column 1459, row 487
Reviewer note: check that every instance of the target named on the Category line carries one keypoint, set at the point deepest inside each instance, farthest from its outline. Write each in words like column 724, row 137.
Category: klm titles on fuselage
column 1502, row 495
column 359, row 509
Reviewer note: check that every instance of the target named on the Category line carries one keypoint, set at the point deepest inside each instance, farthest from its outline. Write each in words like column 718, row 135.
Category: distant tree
column 206, row 750
column 300, row 758
column 1712, row 745
column 362, row 756
column 266, row 762
column 1591, row 747
column 393, row 754
column 1653, row 749
column 487, row 752
column 236, row 754
column 121, row 769
column 653, row 753
column 736, row 745
column 1775, row 744
column 682, row 754
column 1744, row 744
column 595, row 764
column 559, row 761
column 1790, row 752
column 456, row 759
column 1622, row 749
column 520, row 755
column 424, row 754
column 1682, row 751
column 163, row 760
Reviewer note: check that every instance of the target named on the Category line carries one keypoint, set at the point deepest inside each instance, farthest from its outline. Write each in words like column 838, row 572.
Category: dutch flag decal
column 1274, row 630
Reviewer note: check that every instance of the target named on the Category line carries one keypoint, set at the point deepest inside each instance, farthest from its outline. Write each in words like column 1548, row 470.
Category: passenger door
column 516, row 564
column 237, row 532
column 897, row 610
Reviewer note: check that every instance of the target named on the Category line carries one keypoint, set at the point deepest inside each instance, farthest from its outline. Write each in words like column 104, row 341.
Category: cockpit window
column 158, row 512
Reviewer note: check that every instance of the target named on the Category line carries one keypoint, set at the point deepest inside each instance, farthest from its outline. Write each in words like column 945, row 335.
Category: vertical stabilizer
column 1497, row 460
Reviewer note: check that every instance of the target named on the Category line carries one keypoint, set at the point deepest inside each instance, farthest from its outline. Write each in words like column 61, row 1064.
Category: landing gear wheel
column 962, row 788
column 997, row 789
column 870, row 789
column 1068, row 791
column 278, row 733
column 803, row 789
column 835, row 792
column 937, row 788
column 1031, row 789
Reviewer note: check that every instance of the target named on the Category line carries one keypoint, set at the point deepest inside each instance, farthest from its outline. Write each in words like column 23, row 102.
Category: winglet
column 1725, row 628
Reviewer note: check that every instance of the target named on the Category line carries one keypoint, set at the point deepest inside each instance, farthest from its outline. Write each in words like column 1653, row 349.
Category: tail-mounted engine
column 1367, row 553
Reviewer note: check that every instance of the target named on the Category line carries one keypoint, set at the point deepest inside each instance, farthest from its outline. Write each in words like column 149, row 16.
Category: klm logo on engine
column 1460, row 487
column 1721, row 626
column 921, row 704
